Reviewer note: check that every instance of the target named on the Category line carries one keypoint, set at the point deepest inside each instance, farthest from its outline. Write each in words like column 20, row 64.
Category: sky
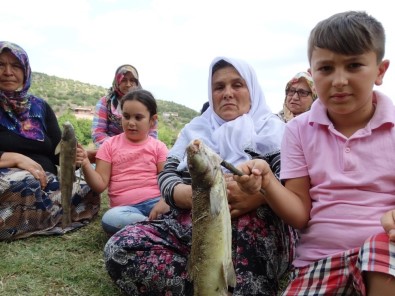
column 172, row 42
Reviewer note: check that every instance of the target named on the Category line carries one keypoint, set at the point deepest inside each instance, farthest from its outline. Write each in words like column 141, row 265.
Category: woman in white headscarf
column 238, row 125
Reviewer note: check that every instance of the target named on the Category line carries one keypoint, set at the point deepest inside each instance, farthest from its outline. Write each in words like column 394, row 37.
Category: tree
column 82, row 127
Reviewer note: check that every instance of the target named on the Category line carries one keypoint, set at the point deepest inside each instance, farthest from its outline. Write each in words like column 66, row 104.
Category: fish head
column 68, row 131
column 203, row 164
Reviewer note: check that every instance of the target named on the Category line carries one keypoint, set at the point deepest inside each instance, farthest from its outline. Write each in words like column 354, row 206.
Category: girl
column 128, row 165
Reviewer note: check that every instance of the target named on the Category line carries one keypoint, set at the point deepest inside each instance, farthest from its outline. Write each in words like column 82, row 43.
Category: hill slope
column 66, row 94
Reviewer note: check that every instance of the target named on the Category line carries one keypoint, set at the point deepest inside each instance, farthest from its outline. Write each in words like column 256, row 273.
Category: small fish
column 67, row 149
column 210, row 265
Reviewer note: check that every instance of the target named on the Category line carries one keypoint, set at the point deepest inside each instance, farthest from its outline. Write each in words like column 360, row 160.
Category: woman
column 150, row 258
column 107, row 118
column 299, row 95
column 29, row 133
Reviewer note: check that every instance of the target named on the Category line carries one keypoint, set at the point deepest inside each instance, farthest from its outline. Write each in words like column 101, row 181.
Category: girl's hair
column 349, row 33
column 219, row 65
column 144, row 97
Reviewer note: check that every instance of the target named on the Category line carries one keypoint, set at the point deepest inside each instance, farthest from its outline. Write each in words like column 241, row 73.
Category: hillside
column 65, row 94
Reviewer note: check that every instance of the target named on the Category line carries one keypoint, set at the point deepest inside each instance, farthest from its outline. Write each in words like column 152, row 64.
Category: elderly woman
column 299, row 95
column 150, row 258
column 29, row 133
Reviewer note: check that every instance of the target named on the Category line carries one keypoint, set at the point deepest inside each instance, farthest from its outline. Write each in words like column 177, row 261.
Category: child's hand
column 161, row 207
column 255, row 171
column 81, row 156
column 388, row 223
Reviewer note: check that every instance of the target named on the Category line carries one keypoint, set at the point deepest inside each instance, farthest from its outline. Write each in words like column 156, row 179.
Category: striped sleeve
column 169, row 178
column 99, row 123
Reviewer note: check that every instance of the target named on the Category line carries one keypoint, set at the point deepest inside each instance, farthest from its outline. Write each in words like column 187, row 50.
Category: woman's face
column 231, row 97
column 11, row 72
column 298, row 102
column 127, row 83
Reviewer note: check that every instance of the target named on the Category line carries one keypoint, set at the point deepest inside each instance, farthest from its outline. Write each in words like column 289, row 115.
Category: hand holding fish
column 81, row 158
column 239, row 201
column 388, row 223
column 257, row 175
column 17, row 160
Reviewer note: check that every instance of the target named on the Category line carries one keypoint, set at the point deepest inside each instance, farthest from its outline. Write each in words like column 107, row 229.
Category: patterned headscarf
column 20, row 112
column 119, row 74
column 115, row 94
column 259, row 130
column 286, row 114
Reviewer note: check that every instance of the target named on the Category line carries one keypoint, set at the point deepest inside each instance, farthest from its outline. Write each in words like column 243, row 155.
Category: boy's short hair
column 348, row 33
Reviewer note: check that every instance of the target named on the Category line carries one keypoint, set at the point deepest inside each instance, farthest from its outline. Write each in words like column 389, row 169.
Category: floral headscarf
column 286, row 114
column 114, row 94
column 259, row 130
column 20, row 112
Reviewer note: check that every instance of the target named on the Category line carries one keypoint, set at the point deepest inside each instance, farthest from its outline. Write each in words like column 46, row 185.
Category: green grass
column 71, row 264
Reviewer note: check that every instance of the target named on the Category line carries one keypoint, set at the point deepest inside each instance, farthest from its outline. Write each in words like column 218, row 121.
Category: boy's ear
column 382, row 68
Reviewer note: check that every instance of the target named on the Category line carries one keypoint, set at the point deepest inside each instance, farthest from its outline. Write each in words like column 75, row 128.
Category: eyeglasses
column 301, row 92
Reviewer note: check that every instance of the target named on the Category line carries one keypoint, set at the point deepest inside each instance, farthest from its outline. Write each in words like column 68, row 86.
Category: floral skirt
column 26, row 209
column 150, row 258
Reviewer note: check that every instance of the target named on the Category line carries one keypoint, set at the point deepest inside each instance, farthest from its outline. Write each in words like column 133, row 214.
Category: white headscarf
column 259, row 130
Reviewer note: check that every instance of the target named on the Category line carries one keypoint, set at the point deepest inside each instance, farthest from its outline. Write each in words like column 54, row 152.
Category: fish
column 67, row 149
column 210, row 266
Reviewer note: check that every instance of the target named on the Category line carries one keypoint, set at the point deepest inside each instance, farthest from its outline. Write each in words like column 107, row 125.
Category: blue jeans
column 118, row 217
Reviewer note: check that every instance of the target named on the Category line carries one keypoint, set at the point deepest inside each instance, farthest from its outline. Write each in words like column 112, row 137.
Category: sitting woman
column 150, row 258
column 30, row 200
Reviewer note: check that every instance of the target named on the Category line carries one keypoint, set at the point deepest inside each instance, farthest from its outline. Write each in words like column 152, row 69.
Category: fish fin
column 57, row 149
column 215, row 202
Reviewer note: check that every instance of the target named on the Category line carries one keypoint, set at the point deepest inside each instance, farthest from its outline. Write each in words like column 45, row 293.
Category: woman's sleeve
column 273, row 159
column 99, row 123
column 168, row 179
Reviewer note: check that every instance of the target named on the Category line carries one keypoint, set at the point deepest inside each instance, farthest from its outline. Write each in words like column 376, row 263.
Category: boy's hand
column 388, row 223
column 255, row 171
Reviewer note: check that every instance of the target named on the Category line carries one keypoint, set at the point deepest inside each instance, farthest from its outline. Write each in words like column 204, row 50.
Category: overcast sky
column 172, row 42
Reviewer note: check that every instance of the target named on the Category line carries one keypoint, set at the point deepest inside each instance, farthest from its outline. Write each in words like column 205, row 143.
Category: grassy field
column 71, row 264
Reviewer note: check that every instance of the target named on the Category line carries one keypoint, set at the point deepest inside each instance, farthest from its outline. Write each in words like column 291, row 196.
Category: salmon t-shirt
column 133, row 168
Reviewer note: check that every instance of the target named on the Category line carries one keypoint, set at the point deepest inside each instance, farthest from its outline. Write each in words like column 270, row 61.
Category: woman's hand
column 388, row 223
column 17, row 160
column 239, row 201
column 160, row 207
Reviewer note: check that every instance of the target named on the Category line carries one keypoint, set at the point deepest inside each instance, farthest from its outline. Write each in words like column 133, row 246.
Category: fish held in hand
column 210, row 265
column 67, row 149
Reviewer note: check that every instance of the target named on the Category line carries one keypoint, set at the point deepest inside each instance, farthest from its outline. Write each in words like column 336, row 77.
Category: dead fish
column 210, row 265
column 67, row 149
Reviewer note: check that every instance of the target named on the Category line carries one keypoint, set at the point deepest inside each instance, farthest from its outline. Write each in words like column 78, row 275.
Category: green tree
column 82, row 127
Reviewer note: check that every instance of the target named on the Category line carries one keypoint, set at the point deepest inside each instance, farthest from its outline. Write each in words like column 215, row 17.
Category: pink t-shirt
column 133, row 168
column 352, row 179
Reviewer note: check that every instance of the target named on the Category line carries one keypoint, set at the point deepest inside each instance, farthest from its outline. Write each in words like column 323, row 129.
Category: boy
column 338, row 166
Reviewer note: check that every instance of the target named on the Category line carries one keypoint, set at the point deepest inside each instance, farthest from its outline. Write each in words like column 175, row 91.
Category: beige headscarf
column 285, row 114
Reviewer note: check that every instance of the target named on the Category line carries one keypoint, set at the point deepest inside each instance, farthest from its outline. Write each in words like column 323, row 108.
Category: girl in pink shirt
column 128, row 164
